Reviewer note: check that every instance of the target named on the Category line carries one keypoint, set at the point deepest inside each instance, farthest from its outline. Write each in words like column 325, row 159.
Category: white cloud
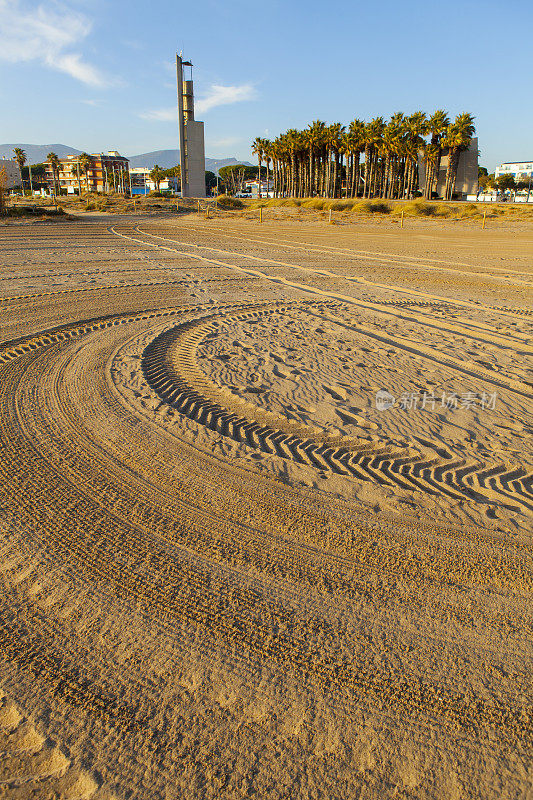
column 225, row 95
column 161, row 114
column 50, row 33
column 216, row 96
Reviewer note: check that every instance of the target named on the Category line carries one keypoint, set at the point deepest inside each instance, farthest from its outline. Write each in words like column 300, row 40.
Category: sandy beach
column 266, row 506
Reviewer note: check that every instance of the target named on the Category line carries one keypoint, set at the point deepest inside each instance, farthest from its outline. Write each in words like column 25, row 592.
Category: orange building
column 104, row 173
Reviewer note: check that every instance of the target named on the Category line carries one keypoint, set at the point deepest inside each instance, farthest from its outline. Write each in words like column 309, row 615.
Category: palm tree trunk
column 349, row 174
column 356, row 174
column 451, row 172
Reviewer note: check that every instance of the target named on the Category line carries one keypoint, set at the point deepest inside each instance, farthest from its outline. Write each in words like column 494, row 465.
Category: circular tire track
column 170, row 368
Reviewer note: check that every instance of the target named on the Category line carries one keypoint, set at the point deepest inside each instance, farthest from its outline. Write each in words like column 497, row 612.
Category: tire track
column 170, row 367
column 386, row 258
column 485, row 374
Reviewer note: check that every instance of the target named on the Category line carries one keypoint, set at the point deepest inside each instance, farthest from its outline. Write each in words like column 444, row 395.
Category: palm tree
column 416, row 129
column 457, row 138
column 353, row 145
column 55, row 163
column 156, row 175
column 333, row 140
column 437, row 127
column 267, row 144
column 314, row 137
column 20, row 158
column 84, row 161
column 373, row 138
column 257, row 149
column 292, row 140
column 390, row 151
column 314, row 161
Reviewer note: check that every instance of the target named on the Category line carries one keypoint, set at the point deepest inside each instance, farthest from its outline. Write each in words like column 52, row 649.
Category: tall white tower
column 191, row 135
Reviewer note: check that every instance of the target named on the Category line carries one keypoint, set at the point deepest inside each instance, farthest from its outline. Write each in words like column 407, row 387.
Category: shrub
column 420, row 208
column 229, row 202
column 316, row 203
column 371, row 207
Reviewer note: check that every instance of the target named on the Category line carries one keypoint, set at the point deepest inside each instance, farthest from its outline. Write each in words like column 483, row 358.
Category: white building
column 251, row 189
column 520, row 170
column 141, row 183
column 11, row 169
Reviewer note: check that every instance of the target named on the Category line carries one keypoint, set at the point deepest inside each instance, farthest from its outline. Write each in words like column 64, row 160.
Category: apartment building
column 520, row 170
column 105, row 172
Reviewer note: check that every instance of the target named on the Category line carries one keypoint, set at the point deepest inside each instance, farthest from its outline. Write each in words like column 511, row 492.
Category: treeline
column 366, row 159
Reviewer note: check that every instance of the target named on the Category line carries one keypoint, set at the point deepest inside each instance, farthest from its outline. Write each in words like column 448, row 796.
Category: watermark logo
column 384, row 400
column 426, row 401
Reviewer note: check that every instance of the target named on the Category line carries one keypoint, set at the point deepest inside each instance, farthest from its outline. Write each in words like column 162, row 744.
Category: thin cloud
column 161, row 115
column 49, row 33
column 225, row 95
column 216, row 96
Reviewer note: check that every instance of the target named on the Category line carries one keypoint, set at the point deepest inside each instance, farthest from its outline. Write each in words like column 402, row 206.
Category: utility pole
column 31, row 183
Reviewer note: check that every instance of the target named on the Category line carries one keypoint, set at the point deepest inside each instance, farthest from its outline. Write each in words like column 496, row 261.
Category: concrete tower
column 191, row 133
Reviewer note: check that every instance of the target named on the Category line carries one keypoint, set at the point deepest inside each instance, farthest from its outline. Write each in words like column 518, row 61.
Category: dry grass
column 22, row 212
column 344, row 208
column 412, row 208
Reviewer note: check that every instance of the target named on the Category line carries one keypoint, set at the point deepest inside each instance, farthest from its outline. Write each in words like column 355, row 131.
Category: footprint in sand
column 280, row 372
column 354, row 419
column 337, row 392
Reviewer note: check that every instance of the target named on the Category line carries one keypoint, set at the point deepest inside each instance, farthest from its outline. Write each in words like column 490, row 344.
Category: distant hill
column 214, row 164
column 169, row 158
column 36, row 153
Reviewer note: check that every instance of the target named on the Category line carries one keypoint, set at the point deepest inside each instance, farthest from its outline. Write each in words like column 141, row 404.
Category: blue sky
column 100, row 74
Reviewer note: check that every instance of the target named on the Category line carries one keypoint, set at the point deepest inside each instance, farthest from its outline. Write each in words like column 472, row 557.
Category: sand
column 226, row 571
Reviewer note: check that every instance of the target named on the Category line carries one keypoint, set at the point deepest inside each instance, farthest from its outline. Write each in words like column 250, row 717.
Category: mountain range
column 36, row 154
column 169, row 158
